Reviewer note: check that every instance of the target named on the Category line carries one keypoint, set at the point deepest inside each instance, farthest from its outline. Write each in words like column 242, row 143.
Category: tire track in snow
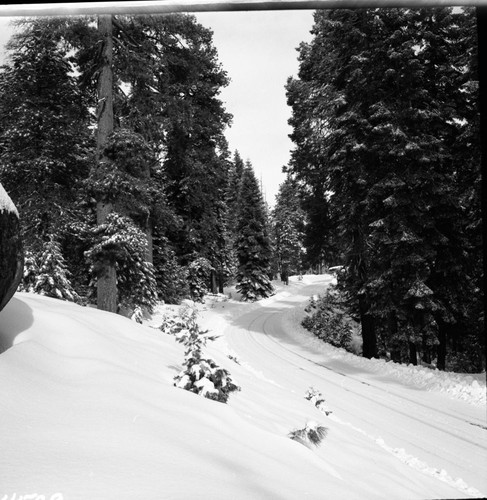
column 347, row 389
column 380, row 389
column 399, row 453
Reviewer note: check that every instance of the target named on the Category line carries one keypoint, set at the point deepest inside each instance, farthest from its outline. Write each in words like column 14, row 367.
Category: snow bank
column 6, row 204
column 466, row 387
column 89, row 410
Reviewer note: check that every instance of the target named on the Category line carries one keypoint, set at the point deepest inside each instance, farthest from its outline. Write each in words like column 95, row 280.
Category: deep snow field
column 89, row 410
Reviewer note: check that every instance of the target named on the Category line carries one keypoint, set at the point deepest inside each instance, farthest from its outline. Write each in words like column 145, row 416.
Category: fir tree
column 31, row 271
column 391, row 158
column 200, row 375
column 253, row 243
column 45, row 141
column 52, row 279
column 289, row 221
column 120, row 242
column 199, row 276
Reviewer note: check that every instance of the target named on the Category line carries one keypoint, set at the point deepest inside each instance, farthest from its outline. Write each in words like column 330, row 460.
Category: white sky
column 257, row 49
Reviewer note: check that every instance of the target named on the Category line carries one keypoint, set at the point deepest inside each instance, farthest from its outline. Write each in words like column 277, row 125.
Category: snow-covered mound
column 89, row 411
column 467, row 387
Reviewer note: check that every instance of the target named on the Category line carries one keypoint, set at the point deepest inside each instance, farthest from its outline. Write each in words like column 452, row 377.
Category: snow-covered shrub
column 199, row 276
column 312, row 434
column 317, row 399
column 52, row 279
column 119, row 241
column 328, row 319
column 200, row 375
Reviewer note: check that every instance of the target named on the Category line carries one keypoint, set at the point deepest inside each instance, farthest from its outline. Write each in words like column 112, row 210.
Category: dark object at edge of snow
column 11, row 255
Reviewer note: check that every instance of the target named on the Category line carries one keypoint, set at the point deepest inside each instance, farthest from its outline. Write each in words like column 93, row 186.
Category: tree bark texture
column 107, row 277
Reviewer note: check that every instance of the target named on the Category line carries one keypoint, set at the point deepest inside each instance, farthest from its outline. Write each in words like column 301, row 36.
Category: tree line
column 387, row 156
column 112, row 147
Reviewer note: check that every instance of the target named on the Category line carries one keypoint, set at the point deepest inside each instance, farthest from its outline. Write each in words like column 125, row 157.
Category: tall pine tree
column 392, row 158
column 45, row 142
column 289, row 221
column 253, row 243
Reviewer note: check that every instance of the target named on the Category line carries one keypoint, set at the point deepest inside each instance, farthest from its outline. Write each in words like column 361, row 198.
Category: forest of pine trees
column 112, row 147
column 385, row 123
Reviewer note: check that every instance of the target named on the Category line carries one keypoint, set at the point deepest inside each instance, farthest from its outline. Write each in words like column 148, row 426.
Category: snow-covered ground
column 89, row 411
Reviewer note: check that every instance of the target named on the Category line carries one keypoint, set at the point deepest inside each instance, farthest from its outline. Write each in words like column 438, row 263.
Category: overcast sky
column 258, row 51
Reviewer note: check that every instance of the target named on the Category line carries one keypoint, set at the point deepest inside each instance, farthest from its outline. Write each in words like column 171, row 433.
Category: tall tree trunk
column 213, row 282
column 413, row 353
column 220, row 281
column 442, row 336
column 369, row 340
column 107, row 277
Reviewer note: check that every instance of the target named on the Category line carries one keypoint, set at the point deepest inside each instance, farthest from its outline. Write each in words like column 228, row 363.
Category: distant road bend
column 444, row 433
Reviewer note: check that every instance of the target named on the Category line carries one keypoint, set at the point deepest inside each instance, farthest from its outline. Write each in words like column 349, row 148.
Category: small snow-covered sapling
column 312, row 434
column 317, row 399
column 137, row 315
column 201, row 375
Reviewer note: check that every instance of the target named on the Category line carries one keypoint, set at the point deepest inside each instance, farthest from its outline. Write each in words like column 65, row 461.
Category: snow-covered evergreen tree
column 52, row 279
column 253, row 243
column 199, row 275
column 171, row 277
column 200, row 375
column 121, row 242
column 44, row 132
column 31, row 271
column 289, row 222
column 311, row 434
column 394, row 160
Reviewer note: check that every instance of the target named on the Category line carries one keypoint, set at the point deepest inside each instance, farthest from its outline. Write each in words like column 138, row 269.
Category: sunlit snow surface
column 89, row 411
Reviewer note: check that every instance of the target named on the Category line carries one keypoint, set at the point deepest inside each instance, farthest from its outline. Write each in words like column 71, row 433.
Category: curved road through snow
column 427, row 430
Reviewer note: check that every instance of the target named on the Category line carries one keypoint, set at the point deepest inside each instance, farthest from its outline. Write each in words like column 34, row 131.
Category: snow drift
column 89, row 410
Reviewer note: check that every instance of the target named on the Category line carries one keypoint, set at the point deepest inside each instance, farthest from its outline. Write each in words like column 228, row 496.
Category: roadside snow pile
column 467, row 387
column 470, row 388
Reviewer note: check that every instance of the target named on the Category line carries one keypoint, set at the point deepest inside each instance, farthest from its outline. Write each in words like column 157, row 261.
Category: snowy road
column 428, row 431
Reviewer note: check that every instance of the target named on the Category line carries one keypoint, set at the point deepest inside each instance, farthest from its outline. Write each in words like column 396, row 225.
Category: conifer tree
column 45, row 142
column 232, row 207
column 392, row 157
column 31, row 271
column 253, row 244
column 289, row 222
column 52, row 279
